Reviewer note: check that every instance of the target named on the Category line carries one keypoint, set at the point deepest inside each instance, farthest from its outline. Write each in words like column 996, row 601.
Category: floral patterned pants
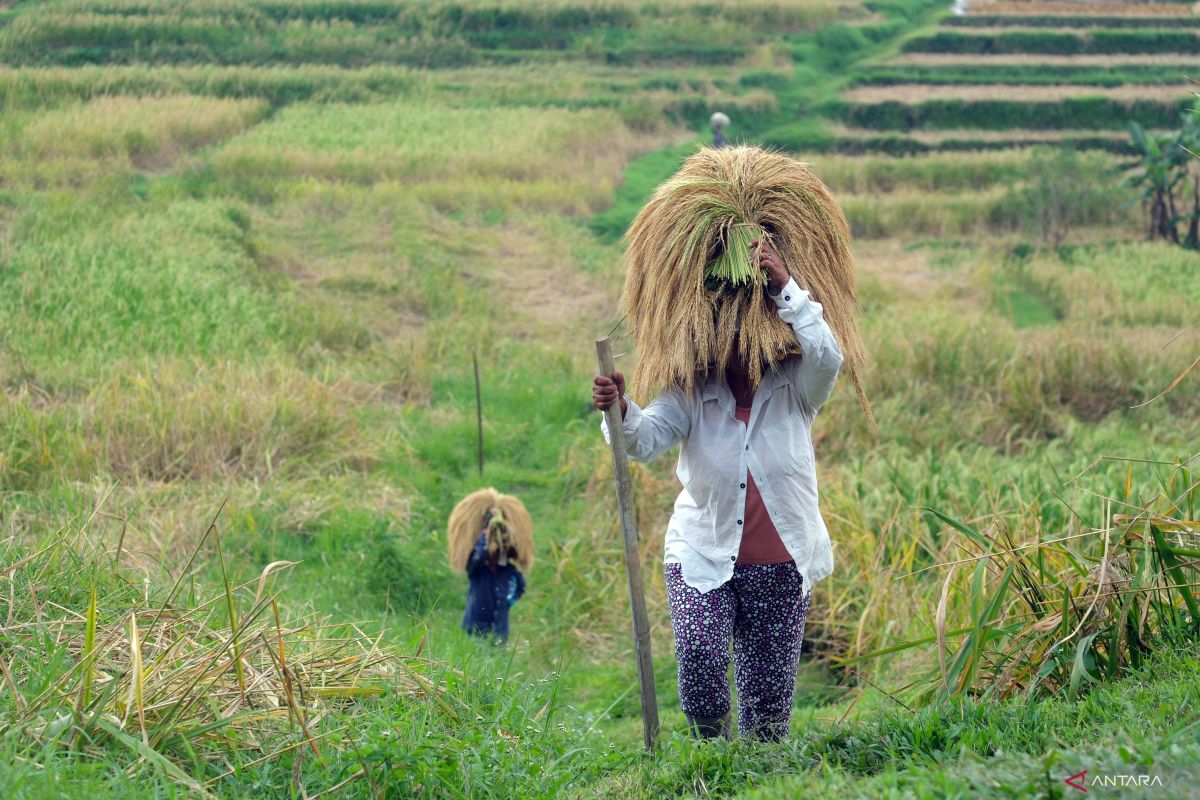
column 762, row 609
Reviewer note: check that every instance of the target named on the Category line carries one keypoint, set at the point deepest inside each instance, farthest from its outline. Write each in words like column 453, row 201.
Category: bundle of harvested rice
column 692, row 290
column 509, row 523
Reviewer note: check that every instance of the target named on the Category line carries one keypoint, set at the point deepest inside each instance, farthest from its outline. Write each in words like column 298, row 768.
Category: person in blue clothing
column 498, row 532
column 495, row 582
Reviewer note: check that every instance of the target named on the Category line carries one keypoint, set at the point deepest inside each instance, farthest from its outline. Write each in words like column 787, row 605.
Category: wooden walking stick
column 633, row 566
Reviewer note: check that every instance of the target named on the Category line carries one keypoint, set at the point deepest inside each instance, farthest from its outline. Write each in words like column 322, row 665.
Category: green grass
column 203, row 296
column 1027, row 308
column 485, row 700
column 1017, row 749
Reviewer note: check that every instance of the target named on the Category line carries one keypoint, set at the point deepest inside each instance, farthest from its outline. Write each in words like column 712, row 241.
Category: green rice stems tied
column 735, row 266
column 695, row 295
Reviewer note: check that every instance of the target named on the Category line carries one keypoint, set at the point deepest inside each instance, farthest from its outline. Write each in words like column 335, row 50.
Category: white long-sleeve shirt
column 705, row 531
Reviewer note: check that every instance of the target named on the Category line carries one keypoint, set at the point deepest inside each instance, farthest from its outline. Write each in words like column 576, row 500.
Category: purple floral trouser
column 762, row 609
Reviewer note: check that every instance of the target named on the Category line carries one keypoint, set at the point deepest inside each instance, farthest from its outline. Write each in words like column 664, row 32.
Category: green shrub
column 1069, row 113
column 1068, row 21
column 1036, row 74
column 1008, row 42
column 1055, row 43
column 1063, row 191
column 1112, row 42
column 764, row 79
column 842, row 43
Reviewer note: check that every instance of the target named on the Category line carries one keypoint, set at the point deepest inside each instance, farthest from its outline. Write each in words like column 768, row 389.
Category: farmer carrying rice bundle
column 718, row 122
column 491, row 539
column 745, row 357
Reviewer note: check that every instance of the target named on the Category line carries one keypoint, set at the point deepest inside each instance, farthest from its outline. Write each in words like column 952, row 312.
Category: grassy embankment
column 266, row 286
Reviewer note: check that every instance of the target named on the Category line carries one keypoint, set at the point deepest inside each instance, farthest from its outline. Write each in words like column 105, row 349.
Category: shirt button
column 743, row 486
column 733, row 558
column 747, row 447
column 786, row 298
column 739, row 522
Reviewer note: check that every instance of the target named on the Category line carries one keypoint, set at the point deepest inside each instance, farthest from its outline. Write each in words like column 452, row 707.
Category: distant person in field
column 746, row 524
column 495, row 583
column 718, row 122
column 491, row 540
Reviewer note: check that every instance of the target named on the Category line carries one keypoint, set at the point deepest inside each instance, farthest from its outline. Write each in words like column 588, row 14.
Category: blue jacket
column 491, row 592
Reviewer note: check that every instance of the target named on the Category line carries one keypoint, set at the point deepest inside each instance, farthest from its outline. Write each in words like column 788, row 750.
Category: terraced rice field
column 1019, row 73
column 1027, row 79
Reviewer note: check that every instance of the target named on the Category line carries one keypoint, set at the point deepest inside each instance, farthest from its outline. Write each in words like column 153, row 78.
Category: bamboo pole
column 633, row 567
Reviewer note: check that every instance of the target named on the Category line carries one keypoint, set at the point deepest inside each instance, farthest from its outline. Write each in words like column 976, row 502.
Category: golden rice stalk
column 89, row 653
column 466, row 523
column 688, row 307
column 138, row 682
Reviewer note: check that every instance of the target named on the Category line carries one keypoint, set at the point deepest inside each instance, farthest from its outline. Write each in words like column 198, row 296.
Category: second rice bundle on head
column 692, row 292
column 506, row 516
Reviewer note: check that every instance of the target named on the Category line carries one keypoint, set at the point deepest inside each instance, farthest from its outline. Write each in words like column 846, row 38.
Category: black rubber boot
column 709, row 727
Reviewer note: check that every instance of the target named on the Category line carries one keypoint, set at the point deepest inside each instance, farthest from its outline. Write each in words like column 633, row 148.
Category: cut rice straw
column 466, row 524
column 165, row 689
column 692, row 295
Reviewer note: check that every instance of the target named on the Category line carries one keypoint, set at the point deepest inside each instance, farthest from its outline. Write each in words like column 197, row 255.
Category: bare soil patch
column 906, row 272
column 534, row 275
column 1113, row 9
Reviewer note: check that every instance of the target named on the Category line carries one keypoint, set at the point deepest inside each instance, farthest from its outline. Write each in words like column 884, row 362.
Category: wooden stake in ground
column 633, row 566
column 478, row 411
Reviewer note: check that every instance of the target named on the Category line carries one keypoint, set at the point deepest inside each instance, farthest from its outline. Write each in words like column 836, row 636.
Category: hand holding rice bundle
column 695, row 287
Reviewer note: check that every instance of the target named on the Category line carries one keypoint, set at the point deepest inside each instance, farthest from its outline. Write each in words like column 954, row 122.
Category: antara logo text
column 1079, row 781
